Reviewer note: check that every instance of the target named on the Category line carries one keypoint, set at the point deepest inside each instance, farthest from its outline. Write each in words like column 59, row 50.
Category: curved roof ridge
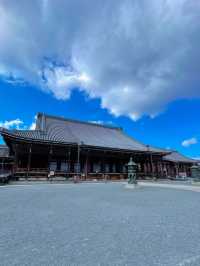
column 26, row 130
column 79, row 121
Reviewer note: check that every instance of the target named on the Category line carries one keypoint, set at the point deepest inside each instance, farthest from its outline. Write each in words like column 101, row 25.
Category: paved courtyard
column 98, row 224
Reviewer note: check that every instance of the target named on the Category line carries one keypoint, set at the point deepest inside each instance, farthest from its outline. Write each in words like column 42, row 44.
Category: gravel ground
column 98, row 224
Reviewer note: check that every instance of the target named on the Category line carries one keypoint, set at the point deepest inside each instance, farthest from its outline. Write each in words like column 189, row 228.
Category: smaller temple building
column 176, row 164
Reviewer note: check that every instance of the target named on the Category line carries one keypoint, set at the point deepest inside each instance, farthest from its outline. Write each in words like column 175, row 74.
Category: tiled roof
column 178, row 157
column 60, row 130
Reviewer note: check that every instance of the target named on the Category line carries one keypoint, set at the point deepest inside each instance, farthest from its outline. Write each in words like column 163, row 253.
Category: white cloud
column 99, row 122
column 32, row 126
column 61, row 80
column 196, row 158
column 135, row 55
column 189, row 142
column 16, row 123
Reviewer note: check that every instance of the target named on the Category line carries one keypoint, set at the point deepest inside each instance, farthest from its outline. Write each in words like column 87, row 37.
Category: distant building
column 75, row 148
column 177, row 165
column 6, row 161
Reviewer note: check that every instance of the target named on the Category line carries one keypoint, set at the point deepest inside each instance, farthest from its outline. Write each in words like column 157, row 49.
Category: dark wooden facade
column 6, row 161
column 37, row 160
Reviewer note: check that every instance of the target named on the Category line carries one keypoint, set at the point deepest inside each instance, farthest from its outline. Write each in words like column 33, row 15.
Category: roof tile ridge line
column 139, row 142
column 80, row 121
column 3, row 130
column 133, row 139
column 12, row 134
column 160, row 148
column 186, row 157
column 15, row 131
column 27, row 130
column 182, row 155
column 179, row 153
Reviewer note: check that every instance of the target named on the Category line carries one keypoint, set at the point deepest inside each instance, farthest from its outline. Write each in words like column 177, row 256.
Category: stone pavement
column 173, row 184
column 98, row 224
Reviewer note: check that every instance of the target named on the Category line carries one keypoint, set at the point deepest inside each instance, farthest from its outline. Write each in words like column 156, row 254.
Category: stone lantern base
column 131, row 186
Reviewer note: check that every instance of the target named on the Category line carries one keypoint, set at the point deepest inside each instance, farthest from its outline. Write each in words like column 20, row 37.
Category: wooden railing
column 44, row 172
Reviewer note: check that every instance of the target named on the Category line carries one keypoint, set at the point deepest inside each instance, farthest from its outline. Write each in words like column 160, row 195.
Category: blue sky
column 169, row 129
column 131, row 63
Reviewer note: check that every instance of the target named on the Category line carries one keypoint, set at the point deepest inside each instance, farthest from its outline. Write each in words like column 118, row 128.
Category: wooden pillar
column 103, row 165
column 29, row 160
column 177, row 169
column 78, row 161
column 69, row 161
column 49, row 157
column 145, row 168
column 16, row 157
column 169, row 169
column 161, row 169
column 2, row 165
column 166, row 170
column 186, row 170
column 157, row 170
column 86, row 165
column 152, row 166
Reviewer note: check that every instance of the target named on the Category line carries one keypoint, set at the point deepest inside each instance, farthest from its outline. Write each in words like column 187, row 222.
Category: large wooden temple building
column 71, row 148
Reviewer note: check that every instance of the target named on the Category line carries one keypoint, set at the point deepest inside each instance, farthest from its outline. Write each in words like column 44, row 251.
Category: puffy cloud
column 135, row 55
column 189, row 142
column 61, row 80
column 16, row 123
